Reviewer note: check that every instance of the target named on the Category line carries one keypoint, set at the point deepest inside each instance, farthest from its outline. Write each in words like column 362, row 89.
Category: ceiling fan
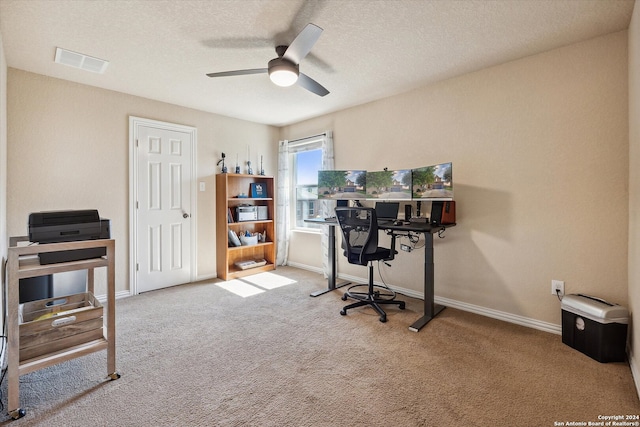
column 285, row 69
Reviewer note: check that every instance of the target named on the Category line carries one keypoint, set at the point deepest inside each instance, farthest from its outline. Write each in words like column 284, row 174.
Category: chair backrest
column 359, row 228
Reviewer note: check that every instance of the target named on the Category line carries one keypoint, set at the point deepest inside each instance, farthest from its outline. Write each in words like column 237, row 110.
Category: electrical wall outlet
column 557, row 287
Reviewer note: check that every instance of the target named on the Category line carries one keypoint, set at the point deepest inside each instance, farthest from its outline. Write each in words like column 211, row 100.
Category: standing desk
column 431, row 309
column 331, row 280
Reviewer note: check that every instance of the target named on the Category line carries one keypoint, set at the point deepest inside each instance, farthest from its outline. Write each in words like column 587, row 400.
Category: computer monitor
column 432, row 182
column 387, row 210
column 333, row 184
column 389, row 184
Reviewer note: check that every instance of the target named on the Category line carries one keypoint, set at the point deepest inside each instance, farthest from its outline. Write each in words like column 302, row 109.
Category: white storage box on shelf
column 248, row 240
column 595, row 327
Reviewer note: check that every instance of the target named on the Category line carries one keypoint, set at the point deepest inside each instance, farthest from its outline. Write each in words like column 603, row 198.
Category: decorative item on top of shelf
column 249, row 170
column 237, row 164
column 224, row 168
column 258, row 190
column 261, row 169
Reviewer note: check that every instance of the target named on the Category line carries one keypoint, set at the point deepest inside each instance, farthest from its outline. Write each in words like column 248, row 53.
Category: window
column 305, row 162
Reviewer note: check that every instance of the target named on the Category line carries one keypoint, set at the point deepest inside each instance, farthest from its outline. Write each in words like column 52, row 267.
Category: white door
column 164, row 204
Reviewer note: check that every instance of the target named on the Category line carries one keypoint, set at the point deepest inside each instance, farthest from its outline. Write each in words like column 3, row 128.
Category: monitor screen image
column 432, row 182
column 336, row 185
column 389, row 185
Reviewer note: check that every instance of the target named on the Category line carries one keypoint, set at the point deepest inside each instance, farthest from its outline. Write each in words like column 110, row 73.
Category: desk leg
column 431, row 309
column 331, row 281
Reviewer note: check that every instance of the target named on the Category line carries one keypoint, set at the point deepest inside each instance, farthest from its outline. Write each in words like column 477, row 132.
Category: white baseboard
column 483, row 311
column 305, row 267
column 119, row 294
column 501, row 315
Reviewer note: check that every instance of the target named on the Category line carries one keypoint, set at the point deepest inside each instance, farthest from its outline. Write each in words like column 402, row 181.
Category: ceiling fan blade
column 238, row 72
column 302, row 44
column 311, row 85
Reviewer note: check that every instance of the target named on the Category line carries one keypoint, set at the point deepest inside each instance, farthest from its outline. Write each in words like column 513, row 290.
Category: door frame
column 134, row 122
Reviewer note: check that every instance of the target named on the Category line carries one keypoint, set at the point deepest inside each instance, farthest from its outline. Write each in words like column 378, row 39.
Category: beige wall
column 634, row 187
column 3, row 162
column 539, row 149
column 68, row 148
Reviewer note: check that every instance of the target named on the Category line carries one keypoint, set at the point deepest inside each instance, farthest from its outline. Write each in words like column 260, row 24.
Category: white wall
column 68, row 148
column 539, row 149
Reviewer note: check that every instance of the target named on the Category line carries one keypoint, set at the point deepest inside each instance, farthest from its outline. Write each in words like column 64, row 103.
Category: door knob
column 185, row 215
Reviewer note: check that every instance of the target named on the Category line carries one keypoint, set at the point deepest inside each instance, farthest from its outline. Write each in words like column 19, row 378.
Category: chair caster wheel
column 344, row 297
column 383, row 319
column 402, row 306
column 343, row 312
column 18, row 413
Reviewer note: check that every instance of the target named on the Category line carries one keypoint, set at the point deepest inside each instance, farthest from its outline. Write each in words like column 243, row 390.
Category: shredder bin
column 595, row 327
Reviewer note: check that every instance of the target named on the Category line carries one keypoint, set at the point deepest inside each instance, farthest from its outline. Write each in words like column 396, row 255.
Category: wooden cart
column 23, row 263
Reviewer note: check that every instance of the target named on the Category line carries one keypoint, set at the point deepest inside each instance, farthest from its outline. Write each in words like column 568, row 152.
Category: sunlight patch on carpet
column 240, row 288
column 268, row 280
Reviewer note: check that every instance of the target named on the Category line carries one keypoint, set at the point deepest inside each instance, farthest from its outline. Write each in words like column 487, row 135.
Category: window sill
column 307, row 230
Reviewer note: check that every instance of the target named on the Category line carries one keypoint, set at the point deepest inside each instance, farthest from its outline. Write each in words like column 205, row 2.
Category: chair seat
column 354, row 257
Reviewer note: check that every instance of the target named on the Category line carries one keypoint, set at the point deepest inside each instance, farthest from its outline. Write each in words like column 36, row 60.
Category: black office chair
column 359, row 228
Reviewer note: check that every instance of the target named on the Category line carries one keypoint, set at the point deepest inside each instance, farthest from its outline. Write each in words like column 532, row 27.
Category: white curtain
column 327, row 207
column 283, row 221
column 282, row 208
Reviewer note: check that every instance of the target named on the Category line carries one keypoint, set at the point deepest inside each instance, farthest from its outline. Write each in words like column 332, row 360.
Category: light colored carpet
column 199, row 355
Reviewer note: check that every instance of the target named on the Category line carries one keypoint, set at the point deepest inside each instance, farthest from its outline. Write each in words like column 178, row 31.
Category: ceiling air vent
column 78, row 60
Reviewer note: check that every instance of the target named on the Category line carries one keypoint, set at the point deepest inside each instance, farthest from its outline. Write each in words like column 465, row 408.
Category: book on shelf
column 258, row 190
column 245, row 265
column 229, row 216
column 233, row 239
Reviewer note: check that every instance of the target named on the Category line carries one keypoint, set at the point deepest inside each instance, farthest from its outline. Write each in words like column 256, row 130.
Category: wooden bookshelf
column 229, row 187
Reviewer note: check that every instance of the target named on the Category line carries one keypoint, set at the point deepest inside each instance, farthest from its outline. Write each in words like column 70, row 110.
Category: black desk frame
column 331, row 280
column 431, row 309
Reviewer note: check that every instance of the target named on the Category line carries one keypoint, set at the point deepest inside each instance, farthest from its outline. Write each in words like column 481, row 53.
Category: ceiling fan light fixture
column 283, row 77
column 282, row 72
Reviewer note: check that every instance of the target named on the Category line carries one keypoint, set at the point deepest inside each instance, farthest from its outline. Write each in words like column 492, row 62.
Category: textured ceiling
column 370, row 49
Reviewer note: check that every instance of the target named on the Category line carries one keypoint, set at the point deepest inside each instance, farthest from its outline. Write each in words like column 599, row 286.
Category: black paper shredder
column 595, row 327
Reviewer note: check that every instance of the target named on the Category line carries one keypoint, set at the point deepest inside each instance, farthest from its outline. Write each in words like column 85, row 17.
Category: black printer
column 68, row 226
